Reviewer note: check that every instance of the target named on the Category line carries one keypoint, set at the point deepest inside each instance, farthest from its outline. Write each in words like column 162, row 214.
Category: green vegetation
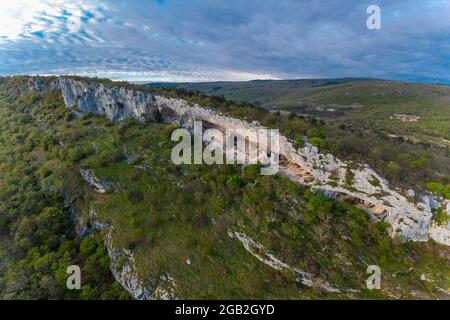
column 259, row 92
column 374, row 181
column 349, row 175
column 299, row 143
column 439, row 189
column 166, row 214
column 37, row 238
column 317, row 142
column 441, row 217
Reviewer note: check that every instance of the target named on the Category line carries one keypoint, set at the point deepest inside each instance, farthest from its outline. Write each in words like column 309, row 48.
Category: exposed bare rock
column 257, row 250
column 81, row 227
column 166, row 289
column 99, row 185
column 124, row 270
column 309, row 166
column 97, row 225
column 116, row 103
column 405, row 117
column 440, row 234
column 123, row 267
column 40, row 84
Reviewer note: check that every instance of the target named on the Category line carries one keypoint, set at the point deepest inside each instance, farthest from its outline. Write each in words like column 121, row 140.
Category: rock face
column 99, row 186
column 39, row 84
column 123, row 264
column 124, row 270
column 258, row 251
column 116, row 103
column 123, row 267
column 323, row 172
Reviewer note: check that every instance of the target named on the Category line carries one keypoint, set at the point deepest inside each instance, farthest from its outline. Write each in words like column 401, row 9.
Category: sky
column 209, row 40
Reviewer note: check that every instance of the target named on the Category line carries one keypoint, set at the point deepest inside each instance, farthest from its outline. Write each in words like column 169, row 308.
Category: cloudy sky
column 201, row 40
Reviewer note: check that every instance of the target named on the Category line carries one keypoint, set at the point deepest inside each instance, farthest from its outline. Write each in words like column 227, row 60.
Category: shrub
column 135, row 196
column 111, row 156
column 45, row 171
column 420, row 163
column 439, row 189
column 88, row 246
column 349, row 175
column 251, row 172
column 78, row 153
column 70, row 116
column 441, row 217
column 317, row 142
column 315, row 201
column 235, row 181
column 299, row 143
column 374, row 181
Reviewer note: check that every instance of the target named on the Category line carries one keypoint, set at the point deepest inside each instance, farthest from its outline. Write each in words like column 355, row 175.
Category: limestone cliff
column 116, row 103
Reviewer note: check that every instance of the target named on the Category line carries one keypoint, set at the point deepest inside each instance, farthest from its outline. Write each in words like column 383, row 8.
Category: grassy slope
column 167, row 214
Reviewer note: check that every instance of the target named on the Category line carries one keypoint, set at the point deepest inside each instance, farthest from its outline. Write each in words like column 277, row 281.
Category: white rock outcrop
column 269, row 259
column 116, row 103
column 123, row 268
column 100, row 186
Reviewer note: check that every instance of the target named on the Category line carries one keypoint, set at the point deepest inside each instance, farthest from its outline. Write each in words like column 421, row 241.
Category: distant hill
column 261, row 92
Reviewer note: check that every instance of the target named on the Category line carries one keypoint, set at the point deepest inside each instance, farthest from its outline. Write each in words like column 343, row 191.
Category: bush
column 441, row 217
column 317, row 142
column 420, row 163
column 45, row 171
column 235, row 181
column 88, row 246
column 439, row 189
column 349, row 175
column 374, row 181
column 315, row 201
column 135, row 196
column 251, row 172
column 78, row 153
column 70, row 116
column 299, row 143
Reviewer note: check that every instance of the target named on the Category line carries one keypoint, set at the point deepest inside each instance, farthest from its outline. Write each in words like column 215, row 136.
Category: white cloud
column 203, row 40
column 46, row 20
column 187, row 75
